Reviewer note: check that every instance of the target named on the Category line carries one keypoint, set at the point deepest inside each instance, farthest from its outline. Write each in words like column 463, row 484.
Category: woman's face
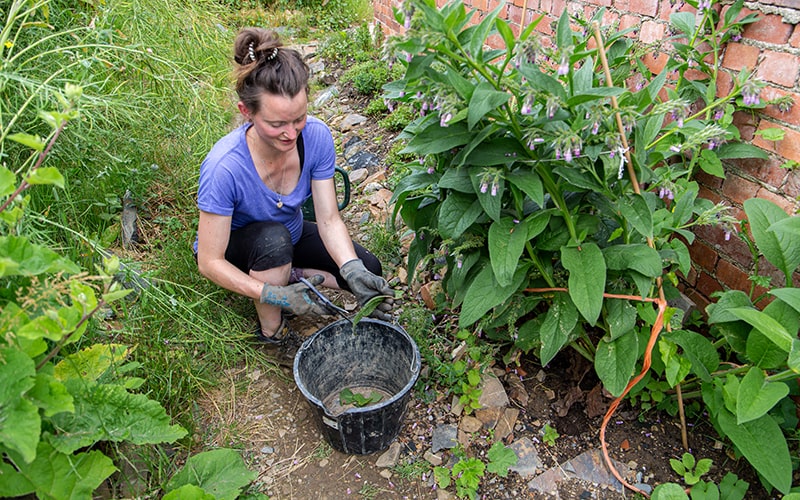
column 279, row 120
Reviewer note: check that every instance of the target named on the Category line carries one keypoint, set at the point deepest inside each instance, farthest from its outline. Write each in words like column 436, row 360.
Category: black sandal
column 279, row 338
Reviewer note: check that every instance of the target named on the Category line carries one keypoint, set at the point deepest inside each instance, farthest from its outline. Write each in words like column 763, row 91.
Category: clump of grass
column 369, row 77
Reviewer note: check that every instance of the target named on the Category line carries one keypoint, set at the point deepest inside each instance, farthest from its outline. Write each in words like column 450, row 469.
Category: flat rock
column 489, row 416
column 390, row 456
column 433, row 458
column 444, row 437
column 350, row 121
column 470, row 424
column 505, row 426
column 358, row 175
column 363, row 159
column 493, row 395
column 527, row 458
column 325, row 96
column 588, row 466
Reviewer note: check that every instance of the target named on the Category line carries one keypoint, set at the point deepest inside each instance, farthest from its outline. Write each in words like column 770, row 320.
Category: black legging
column 267, row 245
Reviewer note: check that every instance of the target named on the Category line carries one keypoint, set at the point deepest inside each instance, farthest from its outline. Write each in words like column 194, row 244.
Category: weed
column 690, row 470
column 370, row 76
column 549, row 435
column 411, row 469
column 322, row 451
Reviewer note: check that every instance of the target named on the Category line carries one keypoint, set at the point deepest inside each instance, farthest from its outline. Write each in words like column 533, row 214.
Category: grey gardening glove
column 296, row 299
column 366, row 285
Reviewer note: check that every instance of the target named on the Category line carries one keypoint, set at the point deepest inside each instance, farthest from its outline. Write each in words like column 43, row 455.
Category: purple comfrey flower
column 576, row 151
column 431, row 170
column 459, row 263
column 736, row 37
column 667, row 193
column 563, row 66
column 534, row 141
column 568, row 155
column 409, row 57
column 552, row 106
column 484, row 187
column 527, row 106
column 719, row 113
column 558, row 153
column 675, row 148
column 751, row 93
column 595, row 128
column 445, row 119
column 702, row 5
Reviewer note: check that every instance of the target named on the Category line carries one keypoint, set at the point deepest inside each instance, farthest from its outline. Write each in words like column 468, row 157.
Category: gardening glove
column 296, row 298
column 366, row 285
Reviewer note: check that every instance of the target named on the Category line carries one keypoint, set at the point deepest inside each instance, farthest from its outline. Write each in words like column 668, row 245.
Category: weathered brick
column 629, row 21
column 789, row 147
column 656, row 64
column 645, row 7
column 739, row 55
column 703, row 255
column 666, row 9
column 724, row 83
column 651, row 31
column 746, row 123
column 737, row 189
column 794, row 40
column 604, row 3
column 710, row 181
column 791, row 186
column 707, row 284
column 732, row 276
column 690, row 279
column 778, row 67
column 709, row 195
column 768, row 171
column 701, row 300
column 792, row 116
column 769, row 28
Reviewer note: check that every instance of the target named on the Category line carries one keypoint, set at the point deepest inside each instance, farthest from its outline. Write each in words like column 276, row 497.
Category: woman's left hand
column 366, row 285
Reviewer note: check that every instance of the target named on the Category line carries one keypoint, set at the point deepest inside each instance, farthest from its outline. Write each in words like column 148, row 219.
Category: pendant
column 279, row 204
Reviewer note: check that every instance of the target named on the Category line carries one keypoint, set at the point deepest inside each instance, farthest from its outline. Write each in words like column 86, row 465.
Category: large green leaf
column 21, row 257
column 740, row 150
column 7, row 181
column 507, row 240
column 638, row 256
column 57, row 475
column 635, row 211
column 457, row 179
column 698, row 349
column 457, row 213
column 757, row 396
column 92, row 362
column 779, row 248
column 765, row 324
column 615, row 361
column 491, row 202
column 484, row 99
column 437, row 139
column 20, row 424
column 106, row 412
column 587, row 278
column 720, row 312
column 221, row 472
column 620, row 316
column 763, row 444
column 484, row 293
column 558, row 324
column 529, row 182
column 684, row 22
column 676, row 367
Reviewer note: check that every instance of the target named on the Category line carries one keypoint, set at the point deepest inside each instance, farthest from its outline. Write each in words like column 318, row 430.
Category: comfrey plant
column 552, row 174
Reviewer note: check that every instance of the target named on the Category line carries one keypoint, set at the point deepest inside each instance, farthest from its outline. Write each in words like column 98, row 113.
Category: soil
column 260, row 410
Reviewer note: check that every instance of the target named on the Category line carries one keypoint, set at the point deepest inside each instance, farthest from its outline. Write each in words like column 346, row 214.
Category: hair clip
column 252, row 51
column 272, row 55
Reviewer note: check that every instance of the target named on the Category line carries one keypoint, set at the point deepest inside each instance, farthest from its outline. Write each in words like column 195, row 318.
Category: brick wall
column 771, row 47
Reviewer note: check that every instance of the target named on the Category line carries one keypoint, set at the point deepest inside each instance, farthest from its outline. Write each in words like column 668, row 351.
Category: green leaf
column 188, row 492
column 638, row 256
column 780, row 249
column 635, row 211
column 457, row 179
column 762, row 442
column 684, row 22
column 50, row 395
column 711, row 164
column 621, row 317
column 501, row 459
column 720, row 312
column 491, row 204
column 58, row 475
column 34, row 142
column 109, row 413
column 563, row 30
column 484, row 293
column 698, row 349
column 789, row 227
column 457, row 212
column 20, row 424
column 8, row 181
column 765, row 324
column 587, row 278
column 24, row 258
column 437, row 139
column 594, row 94
column 757, row 396
column 530, row 184
column 506, row 242
column 676, row 367
column 731, row 150
column 484, row 99
column 46, row 175
column 733, row 488
column 615, row 361
column 92, row 362
column 771, row 134
column 558, row 324
column 669, row 491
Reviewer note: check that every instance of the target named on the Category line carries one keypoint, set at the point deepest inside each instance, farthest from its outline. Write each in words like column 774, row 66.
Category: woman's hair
column 264, row 65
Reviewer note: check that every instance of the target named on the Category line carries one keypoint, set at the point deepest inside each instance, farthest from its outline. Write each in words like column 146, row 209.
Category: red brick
column 629, row 21
column 738, row 189
column 711, row 181
column 724, row 83
column 666, row 9
column 701, row 300
column 709, row 195
column 788, row 206
column 768, row 171
column 791, row 187
column 604, row 3
column 794, row 41
column 691, row 279
column 645, row 7
column 779, row 67
column 792, row 116
column 733, row 249
column 746, row 123
column 651, row 31
column 769, row 28
column 732, row 277
column 739, row 55
column 703, row 255
column 789, row 147
column 656, row 64
column 707, row 284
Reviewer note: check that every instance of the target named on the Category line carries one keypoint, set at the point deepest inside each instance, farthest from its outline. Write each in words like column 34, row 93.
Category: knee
column 372, row 263
column 272, row 246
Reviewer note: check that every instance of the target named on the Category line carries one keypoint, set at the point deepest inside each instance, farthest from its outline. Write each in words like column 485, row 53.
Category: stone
column 390, row 456
column 351, row 121
column 493, row 395
column 371, row 187
column 267, row 450
column 516, row 390
column 363, row 159
column 527, row 458
column 489, row 416
column 353, row 146
column 444, row 495
column 325, row 96
column 358, row 175
column 456, row 407
column 505, row 426
column 591, row 466
column 375, row 178
column 433, row 458
column 386, row 474
column 470, row 424
column 380, row 198
column 428, row 292
column 444, row 437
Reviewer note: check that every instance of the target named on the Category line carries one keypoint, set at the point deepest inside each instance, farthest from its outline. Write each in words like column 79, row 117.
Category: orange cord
column 648, row 356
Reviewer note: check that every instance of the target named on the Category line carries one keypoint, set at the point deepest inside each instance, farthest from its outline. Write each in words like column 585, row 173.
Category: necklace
column 279, row 190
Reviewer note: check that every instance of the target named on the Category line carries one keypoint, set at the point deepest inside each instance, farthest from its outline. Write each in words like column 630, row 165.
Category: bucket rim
column 416, row 365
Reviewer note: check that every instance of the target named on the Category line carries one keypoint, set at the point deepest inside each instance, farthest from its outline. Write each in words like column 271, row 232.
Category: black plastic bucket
column 379, row 357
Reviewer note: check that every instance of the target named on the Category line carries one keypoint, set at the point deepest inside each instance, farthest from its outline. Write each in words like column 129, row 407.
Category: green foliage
column 351, row 44
column 730, row 488
column 348, row 397
column 467, row 473
column 690, row 470
column 501, row 458
column 370, row 76
column 219, row 474
column 549, row 435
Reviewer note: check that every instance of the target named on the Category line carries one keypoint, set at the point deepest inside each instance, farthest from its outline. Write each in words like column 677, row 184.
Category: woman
column 252, row 238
